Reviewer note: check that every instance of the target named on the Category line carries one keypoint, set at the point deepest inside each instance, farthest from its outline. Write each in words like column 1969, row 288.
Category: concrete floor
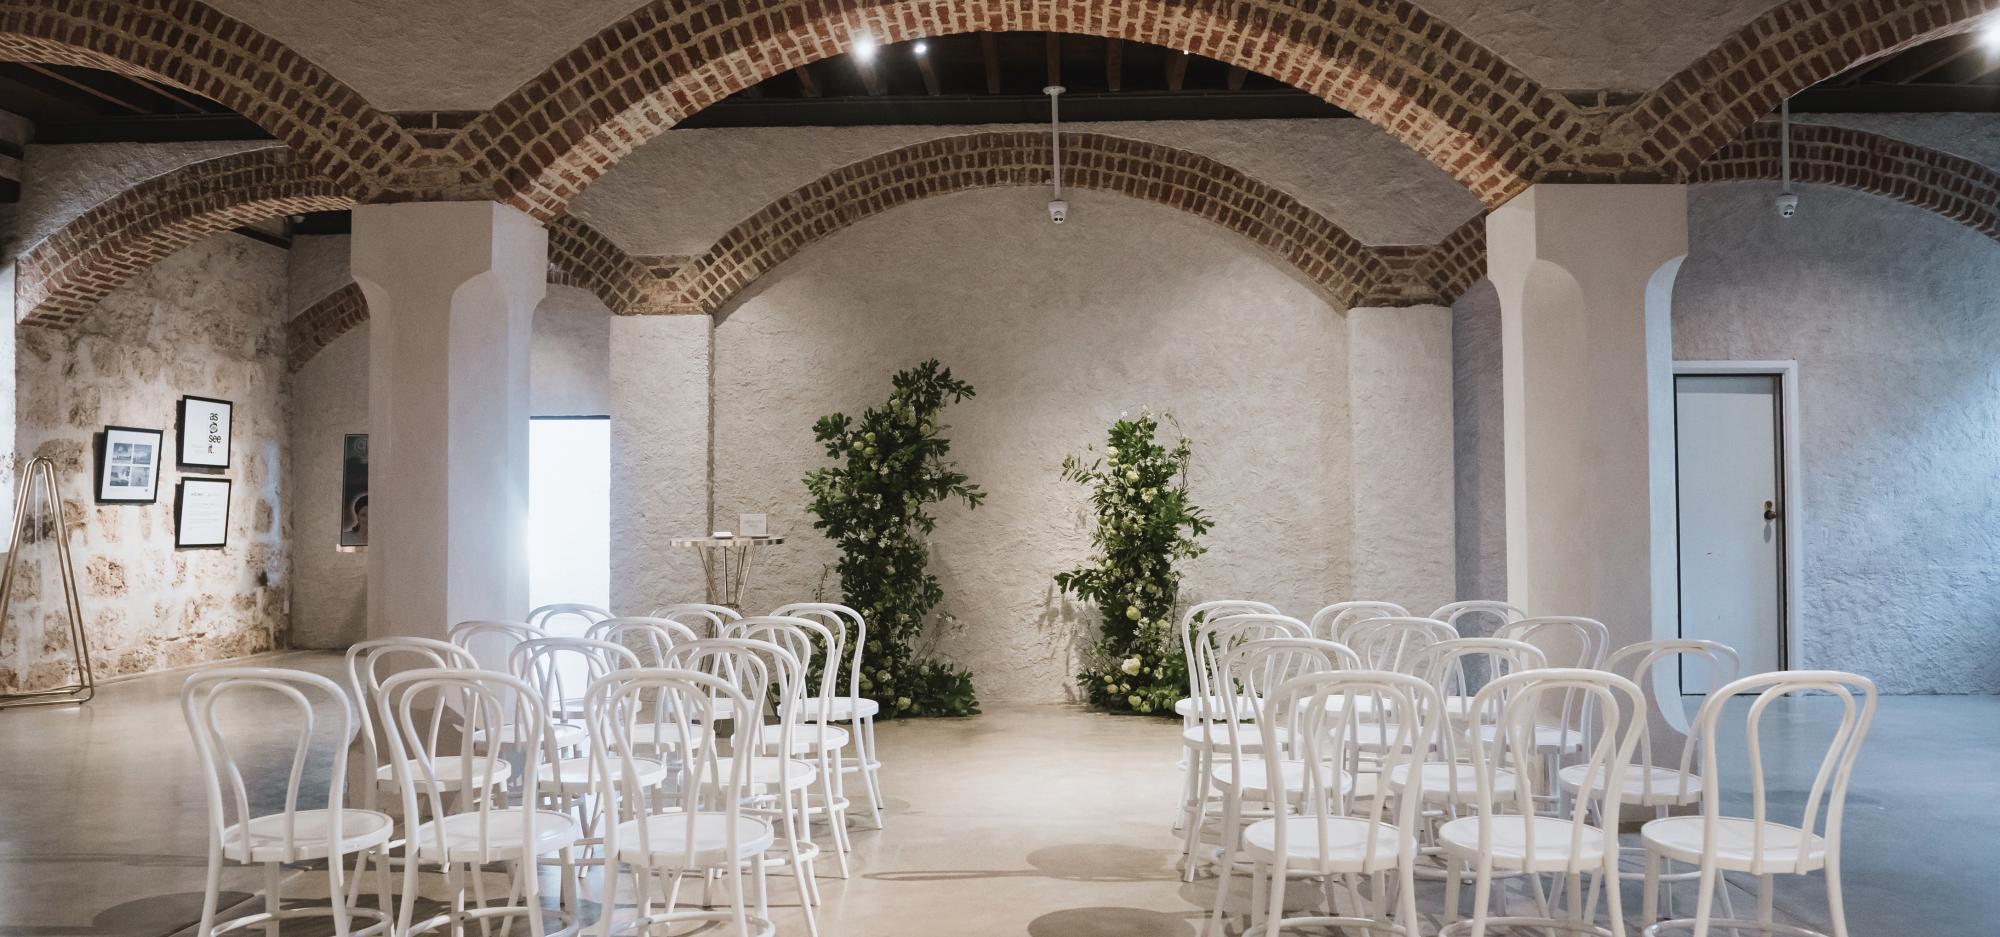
column 1048, row 821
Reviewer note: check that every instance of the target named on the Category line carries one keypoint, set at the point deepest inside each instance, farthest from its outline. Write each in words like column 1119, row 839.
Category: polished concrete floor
column 1047, row 821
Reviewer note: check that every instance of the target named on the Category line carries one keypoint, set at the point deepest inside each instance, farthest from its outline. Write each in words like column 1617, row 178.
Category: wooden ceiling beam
column 1177, row 64
column 1114, row 64
column 1236, row 75
column 871, row 79
column 1052, row 53
column 929, row 73
column 97, row 93
column 807, row 85
column 991, row 55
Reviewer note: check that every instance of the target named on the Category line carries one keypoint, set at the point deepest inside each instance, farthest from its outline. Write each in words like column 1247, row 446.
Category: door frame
column 1791, row 489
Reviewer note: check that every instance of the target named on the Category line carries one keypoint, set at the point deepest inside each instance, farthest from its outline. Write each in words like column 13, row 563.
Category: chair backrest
column 1825, row 802
column 1257, row 667
column 1638, row 663
column 231, row 710
column 1518, row 699
column 1474, row 618
column 570, row 618
column 708, row 621
column 1459, row 667
column 808, row 642
column 852, row 630
column 680, row 709
column 1214, row 638
column 490, row 642
column 496, row 713
column 1200, row 612
column 560, row 669
column 649, row 638
column 1395, row 643
column 1332, row 622
column 1320, row 719
column 371, row 662
column 1566, row 641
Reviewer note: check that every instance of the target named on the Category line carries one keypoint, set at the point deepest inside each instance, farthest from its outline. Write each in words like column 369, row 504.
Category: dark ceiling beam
column 1114, row 63
column 1077, row 106
column 1946, row 63
column 155, row 128
column 1237, row 74
column 163, row 91
column 97, row 93
column 871, row 79
column 1177, row 63
column 1052, row 53
column 807, row 86
column 929, row 73
column 991, row 55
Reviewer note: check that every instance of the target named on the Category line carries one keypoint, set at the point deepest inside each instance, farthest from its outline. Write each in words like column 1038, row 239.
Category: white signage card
column 201, row 513
column 205, row 432
column 750, row 525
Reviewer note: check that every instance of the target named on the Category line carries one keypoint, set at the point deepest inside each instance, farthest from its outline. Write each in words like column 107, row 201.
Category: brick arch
column 1454, row 101
column 1963, row 190
column 191, row 45
column 60, row 279
column 1340, row 266
column 1788, row 49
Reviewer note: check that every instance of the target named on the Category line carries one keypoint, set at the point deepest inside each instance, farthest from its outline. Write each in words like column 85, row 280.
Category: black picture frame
column 354, row 491
column 205, row 486
column 128, row 462
column 181, row 444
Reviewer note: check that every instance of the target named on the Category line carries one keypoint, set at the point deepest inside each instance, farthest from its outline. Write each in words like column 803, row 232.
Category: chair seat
column 806, row 736
column 568, row 735
column 1547, row 737
column 764, row 772
column 1645, row 785
column 1257, row 775
column 649, row 736
column 449, row 771
column 460, row 835
column 1248, row 738
column 1453, row 783
column 1680, row 839
column 575, row 775
column 1348, row 848
column 667, row 841
column 1246, row 706
column 1509, row 847
column 839, row 708
column 311, row 839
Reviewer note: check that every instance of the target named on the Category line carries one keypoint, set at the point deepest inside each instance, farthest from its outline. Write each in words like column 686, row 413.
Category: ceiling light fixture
column 864, row 48
column 921, row 47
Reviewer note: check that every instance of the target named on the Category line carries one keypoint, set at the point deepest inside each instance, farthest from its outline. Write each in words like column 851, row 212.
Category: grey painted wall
column 1481, row 479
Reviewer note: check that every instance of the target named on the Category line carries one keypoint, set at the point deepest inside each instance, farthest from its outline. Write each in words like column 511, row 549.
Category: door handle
column 1770, row 511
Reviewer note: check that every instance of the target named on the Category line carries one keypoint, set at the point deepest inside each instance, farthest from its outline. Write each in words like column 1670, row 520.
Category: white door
column 1732, row 532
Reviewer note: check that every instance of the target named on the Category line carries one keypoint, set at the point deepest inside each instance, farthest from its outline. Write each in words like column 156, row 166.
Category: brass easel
column 40, row 477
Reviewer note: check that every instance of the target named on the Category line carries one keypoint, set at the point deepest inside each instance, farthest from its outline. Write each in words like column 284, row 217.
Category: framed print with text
column 204, row 428
column 128, row 465
column 201, row 513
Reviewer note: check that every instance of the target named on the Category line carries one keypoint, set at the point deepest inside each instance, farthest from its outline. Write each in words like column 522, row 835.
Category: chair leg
column 1197, row 811
column 336, row 894
column 1482, row 895
column 608, row 908
column 1614, row 900
column 1704, row 902
column 864, row 741
column 1836, row 909
column 530, row 887
column 212, row 893
column 271, row 897
column 1274, row 896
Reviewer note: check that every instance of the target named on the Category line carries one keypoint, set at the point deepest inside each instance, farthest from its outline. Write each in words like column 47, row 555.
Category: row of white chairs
column 1309, row 746
column 599, row 748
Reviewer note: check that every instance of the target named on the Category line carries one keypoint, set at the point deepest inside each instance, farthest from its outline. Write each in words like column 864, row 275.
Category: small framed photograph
column 128, row 465
column 354, row 491
column 201, row 513
column 204, row 430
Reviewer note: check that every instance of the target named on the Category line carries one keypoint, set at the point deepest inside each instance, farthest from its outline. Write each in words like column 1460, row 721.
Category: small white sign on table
column 750, row 525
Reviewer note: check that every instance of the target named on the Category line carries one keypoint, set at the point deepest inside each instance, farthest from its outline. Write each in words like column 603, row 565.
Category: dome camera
column 1058, row 211
column 1787, row 205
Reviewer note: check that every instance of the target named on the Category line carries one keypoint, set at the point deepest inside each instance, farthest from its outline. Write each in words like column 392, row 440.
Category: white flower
column 1130, row 666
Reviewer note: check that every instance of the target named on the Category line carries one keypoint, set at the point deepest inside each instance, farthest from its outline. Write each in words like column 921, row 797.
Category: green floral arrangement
column 1146, row 526
column 892, row 464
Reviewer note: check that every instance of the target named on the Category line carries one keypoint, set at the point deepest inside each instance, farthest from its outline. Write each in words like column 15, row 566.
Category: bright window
column 569, row 511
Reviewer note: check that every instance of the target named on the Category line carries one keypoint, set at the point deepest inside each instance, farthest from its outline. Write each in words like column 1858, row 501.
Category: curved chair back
column 1474, row 618
column 851, row 633
column 1202, row 612
column 1257, row 667
column 806, row 642
column 371, row 662
column 1517, row 700
column 567, row 618
column 1638, row 662
column 497, row 713
column 648, row 638
column 1566, row 641
column 491, row 642
column 1458, row 669
column 233, row 713
column 1335, row 719
column 708, row 621
column 1332, row 622
column 560, row 669
column 1396, row 643
column 1825, row 802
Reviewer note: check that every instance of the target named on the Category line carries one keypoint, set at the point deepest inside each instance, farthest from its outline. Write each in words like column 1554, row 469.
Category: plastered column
column 452, row 289
column 1399, row 398
column 661, row 374
column 1584, row 275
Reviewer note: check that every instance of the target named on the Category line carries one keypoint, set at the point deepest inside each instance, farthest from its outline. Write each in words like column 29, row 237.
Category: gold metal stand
column 730, row 557
column 39, row 478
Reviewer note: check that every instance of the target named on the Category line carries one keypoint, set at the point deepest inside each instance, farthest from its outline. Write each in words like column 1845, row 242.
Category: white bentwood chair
column 571, row 619
column 1464, row 616
column 230, row 711
column 1213, row 727
column 851, row 632
column 1192, row 621
column 1331, row 623
column 709, row 621
column 1758, row 845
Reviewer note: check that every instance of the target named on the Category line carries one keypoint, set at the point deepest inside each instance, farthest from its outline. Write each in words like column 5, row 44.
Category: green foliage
column 871, row 504
column 1145, row 526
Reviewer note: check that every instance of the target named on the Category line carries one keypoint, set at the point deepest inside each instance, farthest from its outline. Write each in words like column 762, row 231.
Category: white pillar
column 661, row 372
column 1585, row 274
column 1399, row 400
column 451, row 288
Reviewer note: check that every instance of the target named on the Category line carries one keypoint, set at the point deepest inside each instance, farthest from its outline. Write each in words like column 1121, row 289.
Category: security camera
column 1787, row 204
column 1059, row 211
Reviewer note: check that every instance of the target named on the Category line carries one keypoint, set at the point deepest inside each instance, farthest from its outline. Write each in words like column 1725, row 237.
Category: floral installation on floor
column 891, row 464
column 1145, row 527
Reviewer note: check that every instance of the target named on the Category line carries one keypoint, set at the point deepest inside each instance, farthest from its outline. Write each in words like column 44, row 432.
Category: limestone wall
column 207, row 321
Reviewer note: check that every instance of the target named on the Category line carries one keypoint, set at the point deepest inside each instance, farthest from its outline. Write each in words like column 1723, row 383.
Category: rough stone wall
column 209, row 321
column 1060, row 329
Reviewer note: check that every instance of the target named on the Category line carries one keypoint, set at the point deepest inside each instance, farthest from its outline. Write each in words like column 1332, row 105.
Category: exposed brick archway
column 189, row 44
column 1460, row 105
column 1790, row 48
column 61, row 278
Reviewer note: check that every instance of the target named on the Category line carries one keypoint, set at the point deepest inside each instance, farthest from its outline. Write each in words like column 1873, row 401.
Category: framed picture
column 354, row 491
column 201, row 513
column 128, row 465
column 204, row 430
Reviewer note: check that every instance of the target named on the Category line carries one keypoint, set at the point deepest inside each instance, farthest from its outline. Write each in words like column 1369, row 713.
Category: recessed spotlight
column 1990, row 34
column 864, row 48
column 921, row 47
